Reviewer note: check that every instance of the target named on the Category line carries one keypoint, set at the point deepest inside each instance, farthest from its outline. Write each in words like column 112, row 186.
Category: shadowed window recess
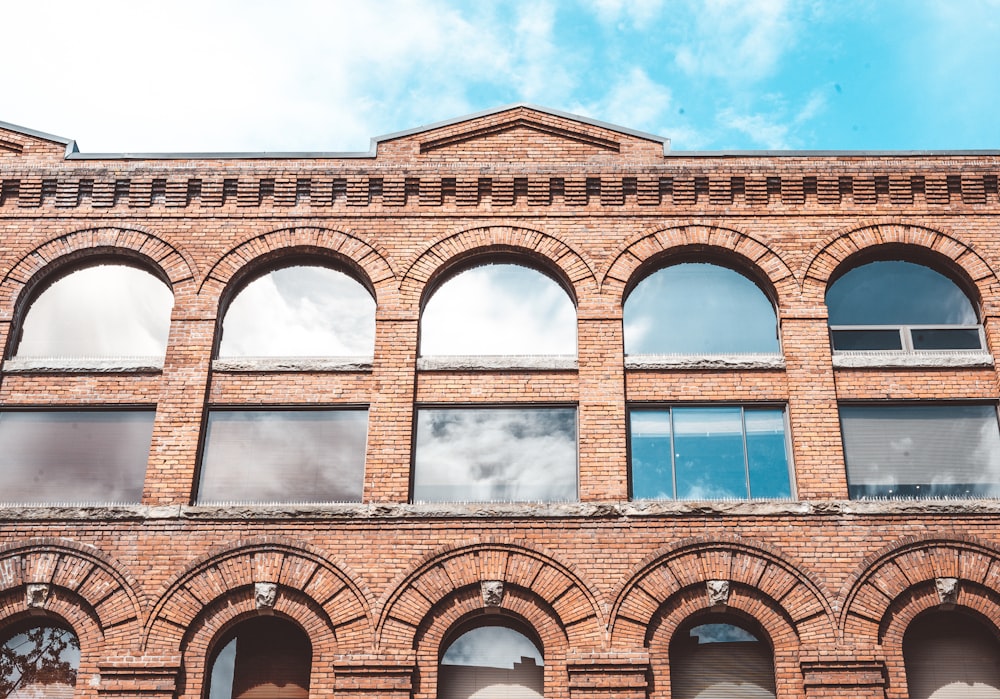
column 105, row 311
column 508, row 454
column 262, row 658
column 893, row 305
column 283, row 455
column 491, row 662
column 696, row 308
column 951, row 655
column 38, row 660
column 499, row 309
column 709, row 453
column 74, row 456
column 300, row 311
column 921, row 451
column 721, row 661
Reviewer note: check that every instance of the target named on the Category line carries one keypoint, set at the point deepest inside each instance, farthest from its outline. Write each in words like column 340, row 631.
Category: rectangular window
column 709, row 453
column 74, row 456
column 921, row 451
column 495, row 455
column 283, row 456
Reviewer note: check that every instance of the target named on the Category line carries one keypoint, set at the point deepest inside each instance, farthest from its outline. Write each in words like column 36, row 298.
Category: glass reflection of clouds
column 894, row 292
column 499, row 309
column 699, row 308
column 491, row 646
column 284, row 456
column 495, row 455
column 300, row 311
column 104, row 311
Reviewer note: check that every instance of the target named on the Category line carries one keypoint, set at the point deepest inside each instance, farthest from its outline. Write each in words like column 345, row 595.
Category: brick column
column 374, row 677
column 622, row 675
column 148, row 677
column 846, row 678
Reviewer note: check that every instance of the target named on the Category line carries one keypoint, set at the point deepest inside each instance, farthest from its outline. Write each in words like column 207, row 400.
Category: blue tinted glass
column 652, row 471
column 766, row 453
column 708, row 453
column 893, row 292
column 698, row 308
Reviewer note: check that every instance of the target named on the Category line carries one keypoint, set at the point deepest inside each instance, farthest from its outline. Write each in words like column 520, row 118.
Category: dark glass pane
column 265, row 658
column 78, row 456
column 38, row 660
column 855, row 340
column 894, row 292
column 497, row 310
column 922, row 451
column 708, row 453
column 699, row 308
column 652, row 468
column 98, row 312
column 767, row 456
column 949, row 654
column 491, row 661
column 495, row 454
column 300, row 311
column 284, row 456
column 946, row 339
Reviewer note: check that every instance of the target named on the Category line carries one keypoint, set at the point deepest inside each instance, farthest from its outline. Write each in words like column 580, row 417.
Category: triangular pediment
column 18, row 141
column 522, row 133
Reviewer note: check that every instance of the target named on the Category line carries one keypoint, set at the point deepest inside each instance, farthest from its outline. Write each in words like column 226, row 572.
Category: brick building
column 762, row 454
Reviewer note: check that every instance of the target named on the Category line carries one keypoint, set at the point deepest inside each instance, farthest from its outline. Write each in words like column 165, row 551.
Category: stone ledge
column 928, row 359
column 705, row 361
column 84, row 365
column 491, row 362
column 303, row 364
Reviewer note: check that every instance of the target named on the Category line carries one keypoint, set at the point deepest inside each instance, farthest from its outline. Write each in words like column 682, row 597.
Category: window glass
column 104, row 311
column 495, row 454
column 284, row 456
column 491, row 661
column 74, row 456
column 709, row 453
column 38, row 660
column 699, row 308
column 300, row 311
column 949, row 655
column 921, row 451
column 499, row 309
column 261, row 658
column 721, row 660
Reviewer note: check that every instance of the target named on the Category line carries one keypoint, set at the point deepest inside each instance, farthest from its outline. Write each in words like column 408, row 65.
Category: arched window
column 102, row 311
column 698, row 308
column 499, row 309
column 491, row 662
column 262, row 658
column 901, row 306
column 720, row 660
column 38, row 661
column 950, row 655
column 300, row 311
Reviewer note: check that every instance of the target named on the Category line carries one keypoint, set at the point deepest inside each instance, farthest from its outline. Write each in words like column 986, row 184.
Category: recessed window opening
column 262, row 658
column 300, row 311
column 38, row 660
column 721, row 659
column 951, row 655
column 104, row 311
column 709, row 453
column 491, row 662
column 899, row 306
column 498, row 309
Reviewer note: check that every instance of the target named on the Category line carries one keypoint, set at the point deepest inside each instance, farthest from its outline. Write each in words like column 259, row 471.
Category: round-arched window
column 699, row 308
column 265, row 657
column 99, row 312
column 951, row 655
column 499, row 309
column 491, row 661
column 720, row 659
column 38, row 660
column 300, row 311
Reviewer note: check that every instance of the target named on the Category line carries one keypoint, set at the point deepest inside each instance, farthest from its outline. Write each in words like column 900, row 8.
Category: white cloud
column 613, row 12
column 635, row 100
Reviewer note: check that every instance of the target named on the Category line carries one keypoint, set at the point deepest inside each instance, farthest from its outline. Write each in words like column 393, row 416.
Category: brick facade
column 604, row 582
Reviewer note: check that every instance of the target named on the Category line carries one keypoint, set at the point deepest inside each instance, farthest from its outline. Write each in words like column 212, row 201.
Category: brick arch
column 535, row 245
column 175, row 266
column 318, row 593
column 827, row 257
column 776, row 592
column 367, row 258
column 545, row 582
column 657, row 243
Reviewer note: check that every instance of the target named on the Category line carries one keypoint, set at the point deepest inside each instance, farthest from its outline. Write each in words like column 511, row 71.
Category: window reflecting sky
column 698, row 308
column 498, row 309
column 894, row 292
column 284, row 456
column 495, row 454
column 102, row 311
column 300, row 311
column 38, row 662
column 491, row 646
column 93, row 456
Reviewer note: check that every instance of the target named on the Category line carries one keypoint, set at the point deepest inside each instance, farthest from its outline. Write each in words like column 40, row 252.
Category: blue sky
column 327, row 75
